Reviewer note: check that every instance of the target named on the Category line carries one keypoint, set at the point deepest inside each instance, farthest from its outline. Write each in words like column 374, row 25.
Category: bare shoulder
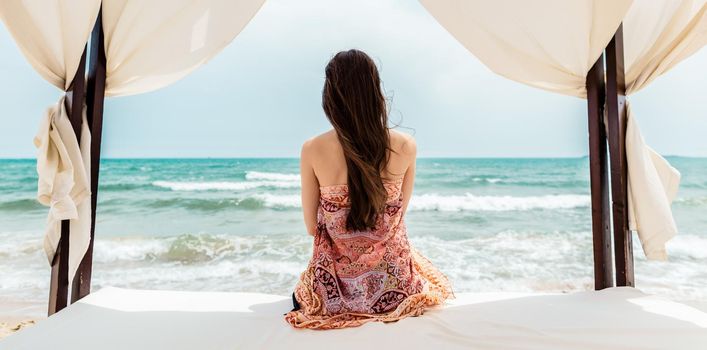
column 403, row 143
column 317, row 144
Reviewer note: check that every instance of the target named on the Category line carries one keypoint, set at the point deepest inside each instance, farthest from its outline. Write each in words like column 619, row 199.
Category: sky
column 261, row 96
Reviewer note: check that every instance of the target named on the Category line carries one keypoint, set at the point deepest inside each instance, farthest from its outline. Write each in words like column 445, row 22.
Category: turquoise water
column 235, row 225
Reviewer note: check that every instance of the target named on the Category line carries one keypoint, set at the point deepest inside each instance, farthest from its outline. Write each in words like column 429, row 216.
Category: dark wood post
column 81, row 285
column 598, row 176
column 59, row 283
column 616, row 120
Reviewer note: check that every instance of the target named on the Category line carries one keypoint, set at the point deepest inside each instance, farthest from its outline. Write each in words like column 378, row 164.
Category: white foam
column 279, row 200
column 504, row 261
column 135, row 249
column 223, row 185
column 489, row 180
column 257, row 175
column 470, row 202
column 691, row 246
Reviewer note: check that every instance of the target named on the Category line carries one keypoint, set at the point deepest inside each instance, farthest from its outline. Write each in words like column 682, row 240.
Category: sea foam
column 508, row 260
column 258, row 175
column 223, row 185
column 470, row 202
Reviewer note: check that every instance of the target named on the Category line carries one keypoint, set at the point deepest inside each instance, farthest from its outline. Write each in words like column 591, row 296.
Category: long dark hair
column 354, row 103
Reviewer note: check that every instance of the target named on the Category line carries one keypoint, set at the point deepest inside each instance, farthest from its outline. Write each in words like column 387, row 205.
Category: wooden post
column 59, row 283
column 598, row 176
column 81, row 285
column 616, row 120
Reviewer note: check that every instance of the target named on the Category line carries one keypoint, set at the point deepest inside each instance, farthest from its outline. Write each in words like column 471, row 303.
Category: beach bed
column 615, row 318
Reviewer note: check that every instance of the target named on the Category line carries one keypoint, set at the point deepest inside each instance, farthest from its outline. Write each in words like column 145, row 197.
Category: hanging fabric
column 552, row 44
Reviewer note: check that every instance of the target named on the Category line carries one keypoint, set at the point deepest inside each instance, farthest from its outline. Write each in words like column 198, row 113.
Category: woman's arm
column 409, row 151
column 310, row 189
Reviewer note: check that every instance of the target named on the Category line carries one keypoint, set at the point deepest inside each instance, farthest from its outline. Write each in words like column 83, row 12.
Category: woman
column 356, row 184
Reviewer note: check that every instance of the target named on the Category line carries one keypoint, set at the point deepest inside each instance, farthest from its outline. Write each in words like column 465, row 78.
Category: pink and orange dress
column 359, row 276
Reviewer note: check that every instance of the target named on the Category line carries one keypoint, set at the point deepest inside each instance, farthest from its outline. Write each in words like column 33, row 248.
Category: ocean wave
column 20, row 205
column 258, row 175
column 253, row 202
column 119, row 186
column 693, row 184
column 204, row 247
column 187, row 248
column 687, row 246
column 523, row 182
column 691, row 201
column 16, row 244
column 199, row 248
column 505, row 261
column 470, row 202
column 421, row 202
column 24, row 179
column 491, row 180
column 206, row 204
column 279, row 200
column 223, row 185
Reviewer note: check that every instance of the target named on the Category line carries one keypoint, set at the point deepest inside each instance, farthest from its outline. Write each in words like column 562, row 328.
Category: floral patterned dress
column 359, row 276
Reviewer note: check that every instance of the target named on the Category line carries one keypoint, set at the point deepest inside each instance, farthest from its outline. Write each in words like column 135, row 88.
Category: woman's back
column 356, row 276
column 329, row 162
column 356, row 183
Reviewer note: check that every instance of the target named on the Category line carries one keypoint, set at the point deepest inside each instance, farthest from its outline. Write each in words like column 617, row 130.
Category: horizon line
column 424, row 157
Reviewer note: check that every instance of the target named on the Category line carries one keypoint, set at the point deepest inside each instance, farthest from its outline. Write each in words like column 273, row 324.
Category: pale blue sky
column 261, row 96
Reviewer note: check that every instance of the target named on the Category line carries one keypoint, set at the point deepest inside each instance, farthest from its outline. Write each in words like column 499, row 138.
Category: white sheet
column 617, row 318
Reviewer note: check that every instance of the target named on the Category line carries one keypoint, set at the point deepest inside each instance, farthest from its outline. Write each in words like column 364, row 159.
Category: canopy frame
column 606, row 90
column 93, row 94
column 599, row 178
column 616, row 119
column 606, row 94
column 59, row 282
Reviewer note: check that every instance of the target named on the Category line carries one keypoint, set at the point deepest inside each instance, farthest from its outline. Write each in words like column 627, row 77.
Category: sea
column 236, row 225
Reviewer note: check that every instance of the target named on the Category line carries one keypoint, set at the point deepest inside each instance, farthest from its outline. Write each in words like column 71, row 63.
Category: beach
column 9, row 325
column 520, row 225
column 16, row 315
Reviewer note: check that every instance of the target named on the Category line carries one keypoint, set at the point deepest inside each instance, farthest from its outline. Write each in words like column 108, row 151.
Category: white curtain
column 660, row 34
column 52, row 35
column 657, row 36
column 152, row 44
column 548, row 44
column 149, row 45
column 64, row 169
column 552, row 44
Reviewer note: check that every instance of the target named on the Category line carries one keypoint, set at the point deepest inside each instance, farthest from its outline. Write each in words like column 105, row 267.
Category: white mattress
column 618, row 318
